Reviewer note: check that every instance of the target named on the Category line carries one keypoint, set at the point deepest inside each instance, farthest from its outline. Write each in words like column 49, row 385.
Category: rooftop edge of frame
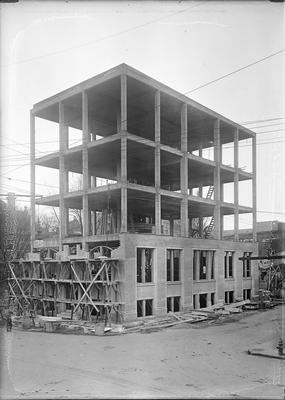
column 140, row 76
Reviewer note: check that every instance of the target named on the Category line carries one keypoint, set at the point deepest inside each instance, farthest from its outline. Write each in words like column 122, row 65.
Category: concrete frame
column 125, row 191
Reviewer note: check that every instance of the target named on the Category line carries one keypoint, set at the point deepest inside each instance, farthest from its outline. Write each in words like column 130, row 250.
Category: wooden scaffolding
column 87, row 289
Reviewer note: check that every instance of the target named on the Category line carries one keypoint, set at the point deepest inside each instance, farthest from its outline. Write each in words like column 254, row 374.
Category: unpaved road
column 194, row 361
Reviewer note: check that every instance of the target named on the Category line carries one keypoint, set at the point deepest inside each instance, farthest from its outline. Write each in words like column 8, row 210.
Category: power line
column 270, row 212
column 266, row 126
column 260, row 120
column 111, row 36
column 235, row 71
column 275, row 130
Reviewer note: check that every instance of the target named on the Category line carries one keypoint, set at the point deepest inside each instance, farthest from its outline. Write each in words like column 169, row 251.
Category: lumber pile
column 172, row 319
column 208, row 314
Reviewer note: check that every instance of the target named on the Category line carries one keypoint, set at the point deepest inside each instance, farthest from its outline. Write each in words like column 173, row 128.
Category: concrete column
column 118, row 121
column 160, row 281
column 124, row 199
column 33, row 179
column 236, row 183
column 200, row 149
column 184, row 122
column 171, row 226
column 200, row 193
column 62, row 175
column 184, row 217
column 157, row 116
column 157, row 163
column 219, row 275
column 197, row 302
column 209, row 300
column 158, row 214
column 93, row 222
column 217, row 180
column 254, row 201
column 184, row 173
column 124, row 125
column 85, row 173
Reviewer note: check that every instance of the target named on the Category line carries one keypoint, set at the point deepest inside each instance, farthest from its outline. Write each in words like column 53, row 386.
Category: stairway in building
column 209, row 228
column 210, row 192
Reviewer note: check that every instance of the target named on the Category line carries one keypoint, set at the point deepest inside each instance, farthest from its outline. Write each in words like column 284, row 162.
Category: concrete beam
column 179, row 96
column 89, row 83
column 139, row 139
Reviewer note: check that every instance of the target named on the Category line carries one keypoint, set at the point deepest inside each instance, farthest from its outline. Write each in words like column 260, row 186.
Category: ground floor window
column 246, row 265
column 229, row 297
column 203, row 264
column 246, row 294
column 144, row 265
column 173, row 265
column 203, row 300
column 144, row 307
column 173, row 303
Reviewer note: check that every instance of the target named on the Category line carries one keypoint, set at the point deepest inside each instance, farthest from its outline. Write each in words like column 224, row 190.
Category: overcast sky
column 49, row 46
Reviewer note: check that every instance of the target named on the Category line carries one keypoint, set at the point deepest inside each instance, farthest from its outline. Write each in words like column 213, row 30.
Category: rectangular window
column 203, row 264
column 203, row 300
column 212, row 299
column 173, row 265
column 213, row 266
column 144, row 265
column 140, row 308
column 144, row 307
column 246, row 265
column 229, row 297
column 246, row 294
column 194, row 301
column 173, row 303
column 169, row 305
column 228, row 264
column 148, row 307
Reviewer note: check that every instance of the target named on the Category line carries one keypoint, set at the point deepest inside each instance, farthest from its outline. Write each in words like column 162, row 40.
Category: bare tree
column 15, row 232
column 48, row 224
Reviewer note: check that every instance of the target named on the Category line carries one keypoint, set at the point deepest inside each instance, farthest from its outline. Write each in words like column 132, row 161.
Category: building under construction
column 151, row 203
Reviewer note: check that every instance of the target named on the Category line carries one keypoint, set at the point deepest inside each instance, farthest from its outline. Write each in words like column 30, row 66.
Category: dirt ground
column 200, row 361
